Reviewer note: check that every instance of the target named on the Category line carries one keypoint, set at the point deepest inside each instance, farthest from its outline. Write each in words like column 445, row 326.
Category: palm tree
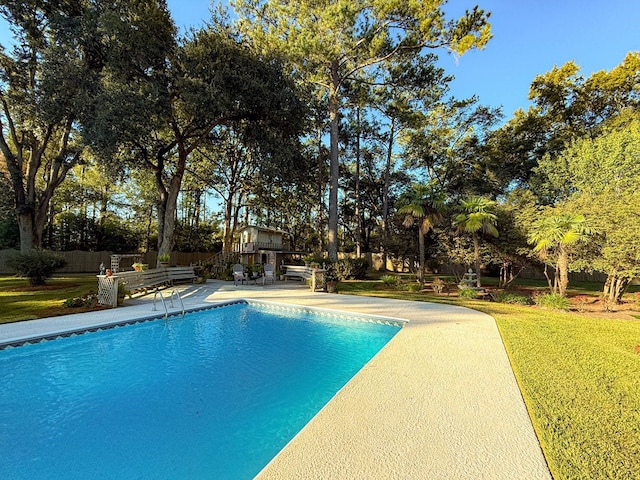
column 476, row 216
column 551, row 235
column 426, row 206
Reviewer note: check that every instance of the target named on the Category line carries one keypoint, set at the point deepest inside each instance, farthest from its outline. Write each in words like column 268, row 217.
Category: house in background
column 264, row 245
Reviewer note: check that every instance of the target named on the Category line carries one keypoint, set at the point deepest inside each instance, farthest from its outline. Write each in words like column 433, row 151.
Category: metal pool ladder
column 174, row 293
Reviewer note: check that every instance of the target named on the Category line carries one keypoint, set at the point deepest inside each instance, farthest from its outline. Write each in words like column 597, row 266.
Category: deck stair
column 220, row 261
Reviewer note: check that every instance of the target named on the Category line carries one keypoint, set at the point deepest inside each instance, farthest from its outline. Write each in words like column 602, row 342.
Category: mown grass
column 579, row 376
column 20, row 301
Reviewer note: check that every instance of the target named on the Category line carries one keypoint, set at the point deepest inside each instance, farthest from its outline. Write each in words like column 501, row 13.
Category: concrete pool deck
column 440, row 401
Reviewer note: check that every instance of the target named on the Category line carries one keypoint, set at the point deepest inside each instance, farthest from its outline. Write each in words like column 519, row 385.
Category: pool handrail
column 166, row 312
column 175, row 292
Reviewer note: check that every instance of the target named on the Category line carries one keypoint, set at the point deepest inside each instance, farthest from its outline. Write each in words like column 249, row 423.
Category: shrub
column 89, row 300
column 390, row 280
column 513, row 298
column 331, row 275
column 37, row 265
column 468, row 293
column 437, row 285
column 122, row 292
column 553, row 300
column 581, row 302
column 75, row 302
column 351, row 268
column 414, row 287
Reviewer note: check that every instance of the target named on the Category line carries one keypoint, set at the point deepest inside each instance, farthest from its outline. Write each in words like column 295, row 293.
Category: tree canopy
column 330, row 43
column 319, row 118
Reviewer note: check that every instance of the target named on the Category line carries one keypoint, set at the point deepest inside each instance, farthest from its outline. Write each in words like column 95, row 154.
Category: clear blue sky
column 530, row 37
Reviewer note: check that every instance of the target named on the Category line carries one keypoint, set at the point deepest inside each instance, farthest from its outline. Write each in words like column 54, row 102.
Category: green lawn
column 20, row 301
column 579, row 376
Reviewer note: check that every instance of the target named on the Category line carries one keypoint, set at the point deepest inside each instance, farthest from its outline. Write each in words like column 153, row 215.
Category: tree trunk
column 504, row 272
column 24, row 206
column 32, row 210
column 385, row 195
column 168, row 204
column 563, row 271
column 25, row 225
column 614, row 287
column 334, row 119
column 227, row 235
column 508, row 274
column 357, row 192
column 476, row 256
column 49, row 158
column 320, row 220
column 549, row 282
column 421, row 235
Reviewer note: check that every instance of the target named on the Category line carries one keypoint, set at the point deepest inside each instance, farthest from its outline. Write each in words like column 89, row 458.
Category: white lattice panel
column 107, row 290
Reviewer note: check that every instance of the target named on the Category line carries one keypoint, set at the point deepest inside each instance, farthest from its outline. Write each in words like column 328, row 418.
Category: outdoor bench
column 297, row 271
column 316, row 275
column 155, row 277
column 143, row 280
column 181, row 273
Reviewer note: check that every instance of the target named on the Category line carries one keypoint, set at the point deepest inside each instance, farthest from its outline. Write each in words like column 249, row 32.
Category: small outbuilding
column 261, row 245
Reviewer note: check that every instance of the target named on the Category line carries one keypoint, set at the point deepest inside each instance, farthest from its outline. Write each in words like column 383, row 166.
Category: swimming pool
column 216, row 395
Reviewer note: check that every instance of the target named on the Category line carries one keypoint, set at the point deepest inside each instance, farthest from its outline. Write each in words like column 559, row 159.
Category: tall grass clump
column 414, row 287
column 513, row 298
column 553, row 300
column 390, row 280
column 468, row 293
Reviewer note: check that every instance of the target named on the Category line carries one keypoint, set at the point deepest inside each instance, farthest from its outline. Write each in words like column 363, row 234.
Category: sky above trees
column 530, row 37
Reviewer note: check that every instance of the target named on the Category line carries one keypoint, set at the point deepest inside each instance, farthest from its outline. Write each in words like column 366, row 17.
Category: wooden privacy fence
column 79, row 261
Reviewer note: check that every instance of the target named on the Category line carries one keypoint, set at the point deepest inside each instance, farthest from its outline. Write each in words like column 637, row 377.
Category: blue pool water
column 214, row 396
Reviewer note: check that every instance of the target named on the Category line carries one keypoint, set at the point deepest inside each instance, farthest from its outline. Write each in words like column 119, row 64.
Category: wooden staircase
column 219, row 262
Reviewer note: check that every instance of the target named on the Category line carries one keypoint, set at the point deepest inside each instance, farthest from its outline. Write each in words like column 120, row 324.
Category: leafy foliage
column 414, row 287
column 390, row 280
column 89, row 300
column 351, row 268
column 37, row 265
column 468, row 293
column 599, row 177
column 476, row 216
column 438, row 285
column 330, row 44
column 553, row 300
column 513, row 298
column 52, row 90
column 424, row 205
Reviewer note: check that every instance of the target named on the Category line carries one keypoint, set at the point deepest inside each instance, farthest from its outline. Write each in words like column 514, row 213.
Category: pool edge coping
column 52, row 334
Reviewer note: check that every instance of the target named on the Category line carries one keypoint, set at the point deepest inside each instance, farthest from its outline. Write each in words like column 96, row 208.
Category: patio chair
column 238, row 274
column 268, row 274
